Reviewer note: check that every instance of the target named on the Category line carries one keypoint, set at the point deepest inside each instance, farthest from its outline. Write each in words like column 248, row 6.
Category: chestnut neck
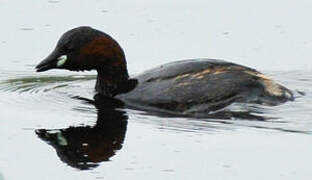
column 111, row 82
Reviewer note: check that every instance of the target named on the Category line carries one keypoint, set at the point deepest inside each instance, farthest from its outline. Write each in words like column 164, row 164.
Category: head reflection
column 84, row 147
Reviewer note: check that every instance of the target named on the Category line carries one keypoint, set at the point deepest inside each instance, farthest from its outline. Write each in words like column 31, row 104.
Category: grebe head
column 85, row 48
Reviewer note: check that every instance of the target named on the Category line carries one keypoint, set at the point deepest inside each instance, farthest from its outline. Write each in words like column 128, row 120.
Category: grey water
column 51, row 127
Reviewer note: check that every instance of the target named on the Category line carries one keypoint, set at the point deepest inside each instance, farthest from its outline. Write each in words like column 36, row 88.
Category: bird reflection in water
column 84, row 147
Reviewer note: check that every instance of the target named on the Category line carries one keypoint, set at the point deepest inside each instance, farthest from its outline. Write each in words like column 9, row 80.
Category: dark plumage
column 184, row 87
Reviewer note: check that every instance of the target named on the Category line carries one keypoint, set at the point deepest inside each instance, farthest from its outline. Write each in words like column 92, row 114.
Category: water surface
column 52, row 122
column 52, row 128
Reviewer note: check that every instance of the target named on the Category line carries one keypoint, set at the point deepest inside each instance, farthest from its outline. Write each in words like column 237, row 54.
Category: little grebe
column 183, row 87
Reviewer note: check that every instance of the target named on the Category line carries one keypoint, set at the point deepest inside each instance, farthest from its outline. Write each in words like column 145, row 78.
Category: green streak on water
column 28, row 83
column 1, row 177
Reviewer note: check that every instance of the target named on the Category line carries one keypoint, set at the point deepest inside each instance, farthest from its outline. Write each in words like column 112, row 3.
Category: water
column 52, row 129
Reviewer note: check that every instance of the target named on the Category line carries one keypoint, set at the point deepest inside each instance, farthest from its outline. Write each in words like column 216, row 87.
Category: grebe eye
column 68, row 48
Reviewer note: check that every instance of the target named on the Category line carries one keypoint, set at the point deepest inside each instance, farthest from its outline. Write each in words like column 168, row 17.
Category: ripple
column 53, row 1
column 36, row 84
column 39, row 92
column 26, row 29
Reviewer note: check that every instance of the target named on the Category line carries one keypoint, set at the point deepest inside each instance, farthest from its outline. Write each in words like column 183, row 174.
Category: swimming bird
column 186, row 87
